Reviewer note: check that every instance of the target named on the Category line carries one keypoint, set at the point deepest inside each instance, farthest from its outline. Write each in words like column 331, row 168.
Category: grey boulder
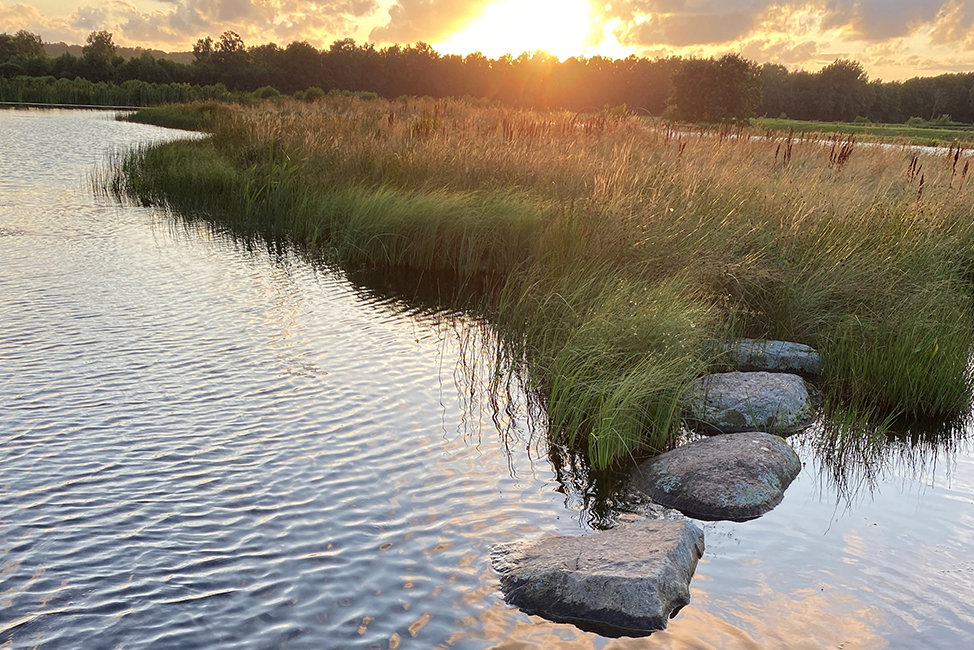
column 732, row 402
column 627, row 581
column 735, row 477
column 771, row 356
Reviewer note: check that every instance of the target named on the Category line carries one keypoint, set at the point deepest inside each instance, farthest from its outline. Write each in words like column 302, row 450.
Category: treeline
column 78, row 91
column 707, row 90
column 22, row 54
column 416, row 70
column 841, row 92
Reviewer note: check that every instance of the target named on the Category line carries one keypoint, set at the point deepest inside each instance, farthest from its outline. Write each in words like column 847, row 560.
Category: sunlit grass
column 616, row 249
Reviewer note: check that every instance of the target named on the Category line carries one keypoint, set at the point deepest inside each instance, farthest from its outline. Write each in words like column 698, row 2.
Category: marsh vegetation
column 612, row 250
column 916, row 131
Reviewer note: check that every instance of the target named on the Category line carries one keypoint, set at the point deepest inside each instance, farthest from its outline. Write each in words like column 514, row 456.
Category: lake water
column 205, row 444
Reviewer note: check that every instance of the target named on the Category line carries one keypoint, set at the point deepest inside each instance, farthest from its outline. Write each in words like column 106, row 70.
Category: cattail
column 913, row 169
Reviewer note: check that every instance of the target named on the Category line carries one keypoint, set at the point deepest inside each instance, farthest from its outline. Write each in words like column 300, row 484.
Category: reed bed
column 82, row 92
column 615, row 249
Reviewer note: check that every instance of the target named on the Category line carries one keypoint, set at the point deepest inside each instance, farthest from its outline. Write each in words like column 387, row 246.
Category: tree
column 300, row 67
column 231, row 61
column 842, row 90
column 713, row 90
column 202, row 51
column 884, row 102
column 143, row 68
column 343, row 65
column 230, row 48
column 265, row 65
column 775, row 90
column 22, row 45
column 99, row 52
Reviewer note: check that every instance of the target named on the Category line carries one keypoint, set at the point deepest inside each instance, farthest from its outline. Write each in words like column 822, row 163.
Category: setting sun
column 562, row 28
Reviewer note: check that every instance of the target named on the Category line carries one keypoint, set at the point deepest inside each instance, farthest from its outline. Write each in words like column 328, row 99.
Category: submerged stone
column 732, row 402
column 736, row 477
column 627, row 581
column 772, row 356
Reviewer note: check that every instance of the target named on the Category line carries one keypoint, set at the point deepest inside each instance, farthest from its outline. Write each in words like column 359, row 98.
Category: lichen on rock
column 770, row 356
column 735, row 477
column 732, row 402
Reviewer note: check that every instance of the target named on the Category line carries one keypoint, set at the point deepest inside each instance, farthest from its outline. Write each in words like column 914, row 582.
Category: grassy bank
column 615, row 250
column 198, row 116
column 928, row 134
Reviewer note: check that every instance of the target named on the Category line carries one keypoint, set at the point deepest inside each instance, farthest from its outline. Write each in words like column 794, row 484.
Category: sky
column 893, row 39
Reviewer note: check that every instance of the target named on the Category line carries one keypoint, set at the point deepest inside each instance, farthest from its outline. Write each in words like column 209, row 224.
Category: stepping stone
column 771, row 356
column 732, row 402
column 627, row 581
column 735, row 477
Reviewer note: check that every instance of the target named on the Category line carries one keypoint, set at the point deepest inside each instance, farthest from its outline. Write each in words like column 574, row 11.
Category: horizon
column 892, row 39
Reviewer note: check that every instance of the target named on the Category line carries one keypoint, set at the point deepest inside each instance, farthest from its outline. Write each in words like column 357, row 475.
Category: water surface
column 205, row 444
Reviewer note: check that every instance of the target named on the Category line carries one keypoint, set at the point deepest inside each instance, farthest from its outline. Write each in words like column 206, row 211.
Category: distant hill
column 54, row 50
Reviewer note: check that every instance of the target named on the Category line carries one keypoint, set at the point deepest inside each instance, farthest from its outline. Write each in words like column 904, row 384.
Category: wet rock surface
column 627, row 581
column 734, row 477
column 733, row 402
column 761, row 355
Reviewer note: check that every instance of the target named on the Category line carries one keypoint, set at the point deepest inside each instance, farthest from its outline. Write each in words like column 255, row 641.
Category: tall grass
column 616, row 249
column 198, row 116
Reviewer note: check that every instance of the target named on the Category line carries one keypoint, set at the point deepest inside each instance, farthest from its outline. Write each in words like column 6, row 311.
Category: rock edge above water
column 627, row 581
column 733, row 402
column 732, row 477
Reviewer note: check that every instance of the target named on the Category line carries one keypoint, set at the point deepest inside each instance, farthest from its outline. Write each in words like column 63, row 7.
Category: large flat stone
column 627, row 581
column 731, row 402
column 760, row 355
column 736, row 477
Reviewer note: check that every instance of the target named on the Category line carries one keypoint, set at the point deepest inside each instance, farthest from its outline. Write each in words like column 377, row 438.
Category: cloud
column 19, row 16
column 875, row 20
column 954, row 24
column 426, row 20
column 681, row 29
column 801, row 33
column 778, row 50
column 89, row 18
column 178, row 23
column 681, row 23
